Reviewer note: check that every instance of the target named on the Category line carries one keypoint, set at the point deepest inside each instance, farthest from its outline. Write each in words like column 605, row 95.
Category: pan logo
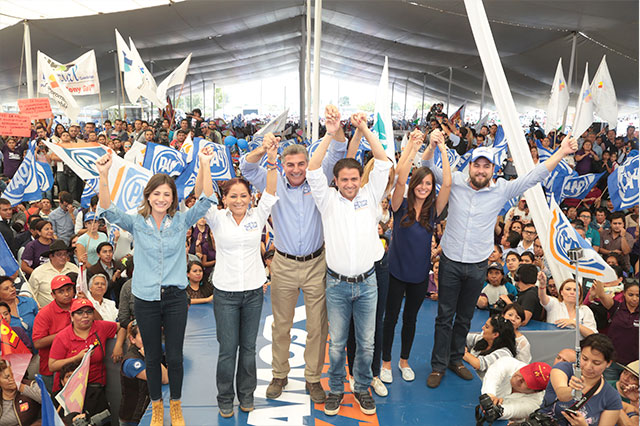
column 86, row 157
column 564, row 239
column 167, row 161
column 220, row 163
column 628, row 182
column 44, row 178
column 132, row 187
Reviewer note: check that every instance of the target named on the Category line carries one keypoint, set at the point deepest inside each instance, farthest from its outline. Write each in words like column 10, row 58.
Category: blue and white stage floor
column 408, row 403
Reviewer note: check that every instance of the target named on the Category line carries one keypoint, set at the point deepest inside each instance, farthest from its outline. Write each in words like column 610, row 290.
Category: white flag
column 563, row 237
column 148, row 87
column 136, row 153
column 604, row 95
column 382, row 123
column 275, row 125
column 176, row 78
column 59, row 93
column 79, row 76
column 558, row 102
column 584, row 108
column 132, row 77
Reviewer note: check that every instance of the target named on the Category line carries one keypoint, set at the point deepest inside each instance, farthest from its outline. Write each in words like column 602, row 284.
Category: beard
column 478, row 183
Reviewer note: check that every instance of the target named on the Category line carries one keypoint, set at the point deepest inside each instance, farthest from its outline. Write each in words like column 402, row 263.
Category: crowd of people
column 359, row 239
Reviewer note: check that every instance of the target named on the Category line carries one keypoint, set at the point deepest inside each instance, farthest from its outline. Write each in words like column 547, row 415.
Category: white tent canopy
column 235, row 41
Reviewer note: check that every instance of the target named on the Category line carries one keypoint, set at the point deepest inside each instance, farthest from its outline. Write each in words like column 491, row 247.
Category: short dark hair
column 601, row 343
column 513, row 253
column 226, row 186
column 528, row 254
column 102, row 245
column 4, row 202
column 181, row 132
column 107, row 121
column 65, row 197
column 347, row 163
column 527, row 273
column 514, row 239
column 617, row 215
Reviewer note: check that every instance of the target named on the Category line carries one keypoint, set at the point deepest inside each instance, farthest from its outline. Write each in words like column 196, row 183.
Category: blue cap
column 89, row 216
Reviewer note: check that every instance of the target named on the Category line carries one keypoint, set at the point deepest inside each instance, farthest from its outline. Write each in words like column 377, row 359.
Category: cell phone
column 571, row 412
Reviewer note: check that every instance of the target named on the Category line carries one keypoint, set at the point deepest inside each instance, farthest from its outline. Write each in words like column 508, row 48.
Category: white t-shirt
column 557, row 310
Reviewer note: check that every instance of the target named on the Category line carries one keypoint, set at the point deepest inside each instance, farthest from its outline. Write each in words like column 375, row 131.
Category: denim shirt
column 159, row 256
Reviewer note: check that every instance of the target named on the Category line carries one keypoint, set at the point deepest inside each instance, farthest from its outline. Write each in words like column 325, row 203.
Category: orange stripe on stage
column 114, row 190
column 557, row 256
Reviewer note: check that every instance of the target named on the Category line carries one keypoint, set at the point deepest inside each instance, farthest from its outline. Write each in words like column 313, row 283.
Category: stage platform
column 408, row 403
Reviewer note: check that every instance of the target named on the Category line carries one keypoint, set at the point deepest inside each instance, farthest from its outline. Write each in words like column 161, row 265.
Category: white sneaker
column 407, row 373
column 379, row 387
column 385, row 375
column 352, row 383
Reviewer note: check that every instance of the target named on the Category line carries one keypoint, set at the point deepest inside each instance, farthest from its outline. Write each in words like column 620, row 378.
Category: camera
column 486, row 411
column 497, row 308
column 99, row 419
column 539, row 419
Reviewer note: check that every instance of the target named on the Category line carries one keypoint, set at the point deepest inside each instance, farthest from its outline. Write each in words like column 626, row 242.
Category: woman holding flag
column 159, row 281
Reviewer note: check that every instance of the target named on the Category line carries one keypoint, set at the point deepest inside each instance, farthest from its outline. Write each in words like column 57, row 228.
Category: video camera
column 487, row 411
column 99, row 419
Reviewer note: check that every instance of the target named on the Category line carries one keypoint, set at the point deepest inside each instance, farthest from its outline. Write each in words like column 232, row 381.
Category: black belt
column 302, row 258
column 356, row 279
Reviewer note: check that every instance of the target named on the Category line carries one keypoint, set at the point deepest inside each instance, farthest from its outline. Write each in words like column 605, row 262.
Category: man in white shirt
column 349, row 218
column 516, row 386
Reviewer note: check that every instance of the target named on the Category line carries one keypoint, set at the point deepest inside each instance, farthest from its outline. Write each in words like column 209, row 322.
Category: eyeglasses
column 530, row 232
column 61, row 254
column 84, row 312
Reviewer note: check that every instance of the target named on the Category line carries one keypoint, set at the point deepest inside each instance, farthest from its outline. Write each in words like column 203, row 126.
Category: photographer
column 601, row 403
column 516, row 387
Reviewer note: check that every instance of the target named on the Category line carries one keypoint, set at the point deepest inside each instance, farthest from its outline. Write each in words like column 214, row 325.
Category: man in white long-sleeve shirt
column 516, row 386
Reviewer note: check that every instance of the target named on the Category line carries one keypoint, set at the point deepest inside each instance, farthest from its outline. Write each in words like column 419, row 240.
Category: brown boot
column 157, row 413
column 274, row 389
column 175, row 409
column 316, row 392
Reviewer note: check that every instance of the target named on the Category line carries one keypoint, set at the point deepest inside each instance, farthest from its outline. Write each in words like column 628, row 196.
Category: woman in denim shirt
column 159, row 282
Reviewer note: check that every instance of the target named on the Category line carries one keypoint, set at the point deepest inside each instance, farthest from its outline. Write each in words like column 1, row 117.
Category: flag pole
column 575, row 255
column 174, row 106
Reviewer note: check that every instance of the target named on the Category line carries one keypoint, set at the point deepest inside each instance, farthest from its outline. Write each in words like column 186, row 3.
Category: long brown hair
column 155, row 181
column 427, row 212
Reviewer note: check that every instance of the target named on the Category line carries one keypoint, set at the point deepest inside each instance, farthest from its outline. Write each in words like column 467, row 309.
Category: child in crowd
column 495, row 287
column 514, row 312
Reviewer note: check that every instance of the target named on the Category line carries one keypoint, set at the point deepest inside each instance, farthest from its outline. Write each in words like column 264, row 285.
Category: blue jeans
column 345, row 300
column 168, row 315
column 460, row 287
column 237, row 321
column 382, row 280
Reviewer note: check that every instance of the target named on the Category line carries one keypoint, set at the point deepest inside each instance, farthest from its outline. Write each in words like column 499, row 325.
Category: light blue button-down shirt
column 160, row 256
column 468, row 236
column 296, row 220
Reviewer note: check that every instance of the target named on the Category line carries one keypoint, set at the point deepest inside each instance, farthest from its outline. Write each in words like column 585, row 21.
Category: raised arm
column 569, row 146
column 272, row 167
column 376, row 147
column 542, row 289
column 404, row 167
column 354, row 143
column 445, row 187
column 204, row 173
column 255, row 155
column 104, row 195
column 332, row 117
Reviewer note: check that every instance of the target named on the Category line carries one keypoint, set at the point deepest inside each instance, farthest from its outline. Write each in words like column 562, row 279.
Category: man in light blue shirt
column 299, row 261
column 474, row 204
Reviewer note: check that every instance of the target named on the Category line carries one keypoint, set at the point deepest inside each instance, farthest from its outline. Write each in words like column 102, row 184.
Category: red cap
column 536, row 375
column 79, row 304
column 60, row 281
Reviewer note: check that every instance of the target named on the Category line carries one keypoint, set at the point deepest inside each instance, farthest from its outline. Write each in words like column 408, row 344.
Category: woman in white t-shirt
column 238, row 278
column 561, row 311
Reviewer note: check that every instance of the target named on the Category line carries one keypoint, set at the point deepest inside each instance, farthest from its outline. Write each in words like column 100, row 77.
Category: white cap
column 483, row 152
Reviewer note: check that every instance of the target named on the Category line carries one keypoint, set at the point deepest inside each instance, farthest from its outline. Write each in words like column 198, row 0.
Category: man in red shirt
column 50, row 320
column 70, row 345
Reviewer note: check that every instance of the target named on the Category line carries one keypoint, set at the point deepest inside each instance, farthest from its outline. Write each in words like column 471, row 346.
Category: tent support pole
column 393, row 88
column 406, row 92
column 213, row 114
column 151, row 103
column 27, row 58
column 484, row 83
column 570, row 79
column 424, row 83
column 118, row 76
column 317, row 38
column 301, row 75
column 449, row 90
column 307, row 74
